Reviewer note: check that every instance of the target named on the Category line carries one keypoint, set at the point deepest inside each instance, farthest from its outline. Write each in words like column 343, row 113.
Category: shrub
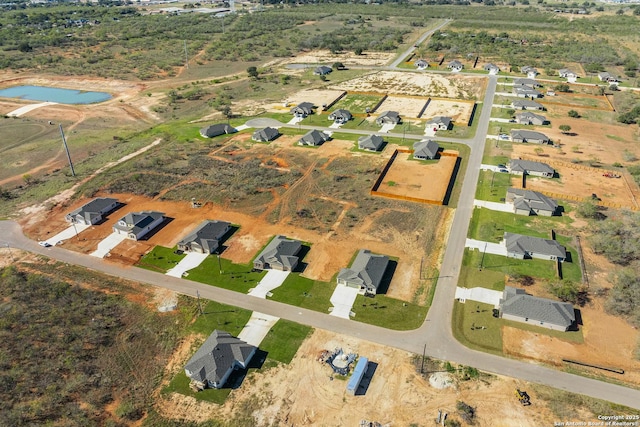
column 466, row 412
column 573, row 113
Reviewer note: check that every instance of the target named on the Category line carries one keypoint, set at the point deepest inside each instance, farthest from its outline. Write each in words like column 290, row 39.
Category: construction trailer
column 356, row 377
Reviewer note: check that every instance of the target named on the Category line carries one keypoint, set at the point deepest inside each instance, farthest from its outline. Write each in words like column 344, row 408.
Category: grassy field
column 306, row 293
column 492, row 186
column 468, row 321
column 357, row 103
column 389, row 313
column 490, row 225
column 161, row 259
column 226, row 274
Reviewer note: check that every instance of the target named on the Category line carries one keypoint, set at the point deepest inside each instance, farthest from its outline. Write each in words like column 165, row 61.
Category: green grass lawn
column 235, row 277
column 471, row 276
column 489, row 225
column 160, row 259
column 467, row 322
column 306, row 293
column 389, row 313
column 357, row 103
column 284, row 339
column 492, row 186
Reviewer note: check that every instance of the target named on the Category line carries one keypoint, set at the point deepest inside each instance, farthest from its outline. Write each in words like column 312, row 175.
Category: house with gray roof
column 314, row 138
column 455, row 66
column 525, row 247
column 205, row 239
column 530, row 136
column 529, row 118
column 439, row 123
column 426, row 149
column 303, row 109
column 388, row 117
column 138, row 224
column 525, row 92
column 532, row 83
column 370, row 142
column 265, row 134
column 421, row 64
column 212, row 131
column 526, row 104
column 519, row 306
column 531, row 72
column 608, row 77
column 527, row 202
column 280, row 254
column 366, row 272
column 340, row 116
column 322, row 70
column 529, row 167
column 568, row 74
column 217, row 358
column 491, row 68
column 92, row 212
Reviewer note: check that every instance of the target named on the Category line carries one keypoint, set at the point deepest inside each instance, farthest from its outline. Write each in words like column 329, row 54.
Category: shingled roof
column 280, row 253
column 516, row 302
column 528, row 245
column 532, row 200
column 366, row 270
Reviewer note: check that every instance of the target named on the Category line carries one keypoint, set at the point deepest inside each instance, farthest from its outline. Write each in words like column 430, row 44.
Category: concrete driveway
column 257, row 328
column 108, row 243
column 494, row 206
column 487, row 247
column 483, row 295
column 386, row 128
column 189, row 262
column 272, row 280
column 342, row 300
column 67, row 233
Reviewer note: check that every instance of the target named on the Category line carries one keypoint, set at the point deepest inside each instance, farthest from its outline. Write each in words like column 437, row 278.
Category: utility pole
column 424, row 351
column 10, row 253
column 219, row 264
column 199, row 304
column 66, row 148
column 186, row 56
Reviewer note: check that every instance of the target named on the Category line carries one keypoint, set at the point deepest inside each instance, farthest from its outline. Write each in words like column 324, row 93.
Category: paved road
column 411, row 49
column 435, row 332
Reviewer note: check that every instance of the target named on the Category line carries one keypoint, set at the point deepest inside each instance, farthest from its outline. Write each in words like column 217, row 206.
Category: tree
column 624, row 298
column 538, row 151
column 618, row 240
column 563, row 87
column 252, row 72
column 573, row 113
column 466, row 412
column 589, row 210
column 568, row 291
column 564, row 128
column 338, row 66
column 358, row 51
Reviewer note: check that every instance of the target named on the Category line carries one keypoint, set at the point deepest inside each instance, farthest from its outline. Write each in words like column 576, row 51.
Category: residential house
column 92, row 212
column 425, row 150
column 525, row 104
column 518, row 306
column 529, row 118
column 388, row 117
column 340, row 116
column 491, row 68
column 138, row 224
column 525, row 247
column 205, row 239
column 531, row 72
column 522, row 135
column 525, row 92
column 217, row 358
column 280, row 254
column 528, row 167
column 532, row 83
column 265, row 134
column 455, row 66
column 568, row 74
column 314, row 138
column 322, row 70
column 439, row 123
column 303, row 109
column 366, row 272
column 527, row 202
column 421, row 64
column 212, row 131
column 608, row 77
column 370, row 142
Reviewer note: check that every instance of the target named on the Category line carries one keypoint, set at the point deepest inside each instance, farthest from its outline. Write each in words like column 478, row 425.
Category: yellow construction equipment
column 523, row 397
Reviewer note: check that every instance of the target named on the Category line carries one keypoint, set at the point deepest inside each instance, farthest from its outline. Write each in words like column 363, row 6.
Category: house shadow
column 388, row 275
column 575, row 326
column 163, row 224
column 238, row 375
column 366, row 379
column 304, row 250
column 222, row 247
column 452, row 181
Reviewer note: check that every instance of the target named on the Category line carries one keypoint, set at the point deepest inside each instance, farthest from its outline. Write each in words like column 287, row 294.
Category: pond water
column 54, row 94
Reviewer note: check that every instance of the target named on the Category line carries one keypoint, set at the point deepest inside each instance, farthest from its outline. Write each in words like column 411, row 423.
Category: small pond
column 53, row 94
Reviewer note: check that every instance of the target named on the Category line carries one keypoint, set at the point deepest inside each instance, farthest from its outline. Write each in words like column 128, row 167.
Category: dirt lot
column 325, row 57
column 411, row 178
column 459, row 111
column 407, row 107
column 417, row 84
column 318, row 97
column 303, row 394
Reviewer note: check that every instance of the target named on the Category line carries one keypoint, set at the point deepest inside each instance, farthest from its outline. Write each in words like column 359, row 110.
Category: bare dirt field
column 410, row 178
column 417, row 84
column 459, row 111
column 318, row 97
column 578, row 181
column 303, row 393
column 407, row 107
column 325, row 57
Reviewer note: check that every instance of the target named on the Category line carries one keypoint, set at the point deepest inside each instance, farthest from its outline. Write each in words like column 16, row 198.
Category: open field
column 416, row 84
column 317, row 97
column 407, row 107
column 325, row 57
column 459, row 111
column 358, row 103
